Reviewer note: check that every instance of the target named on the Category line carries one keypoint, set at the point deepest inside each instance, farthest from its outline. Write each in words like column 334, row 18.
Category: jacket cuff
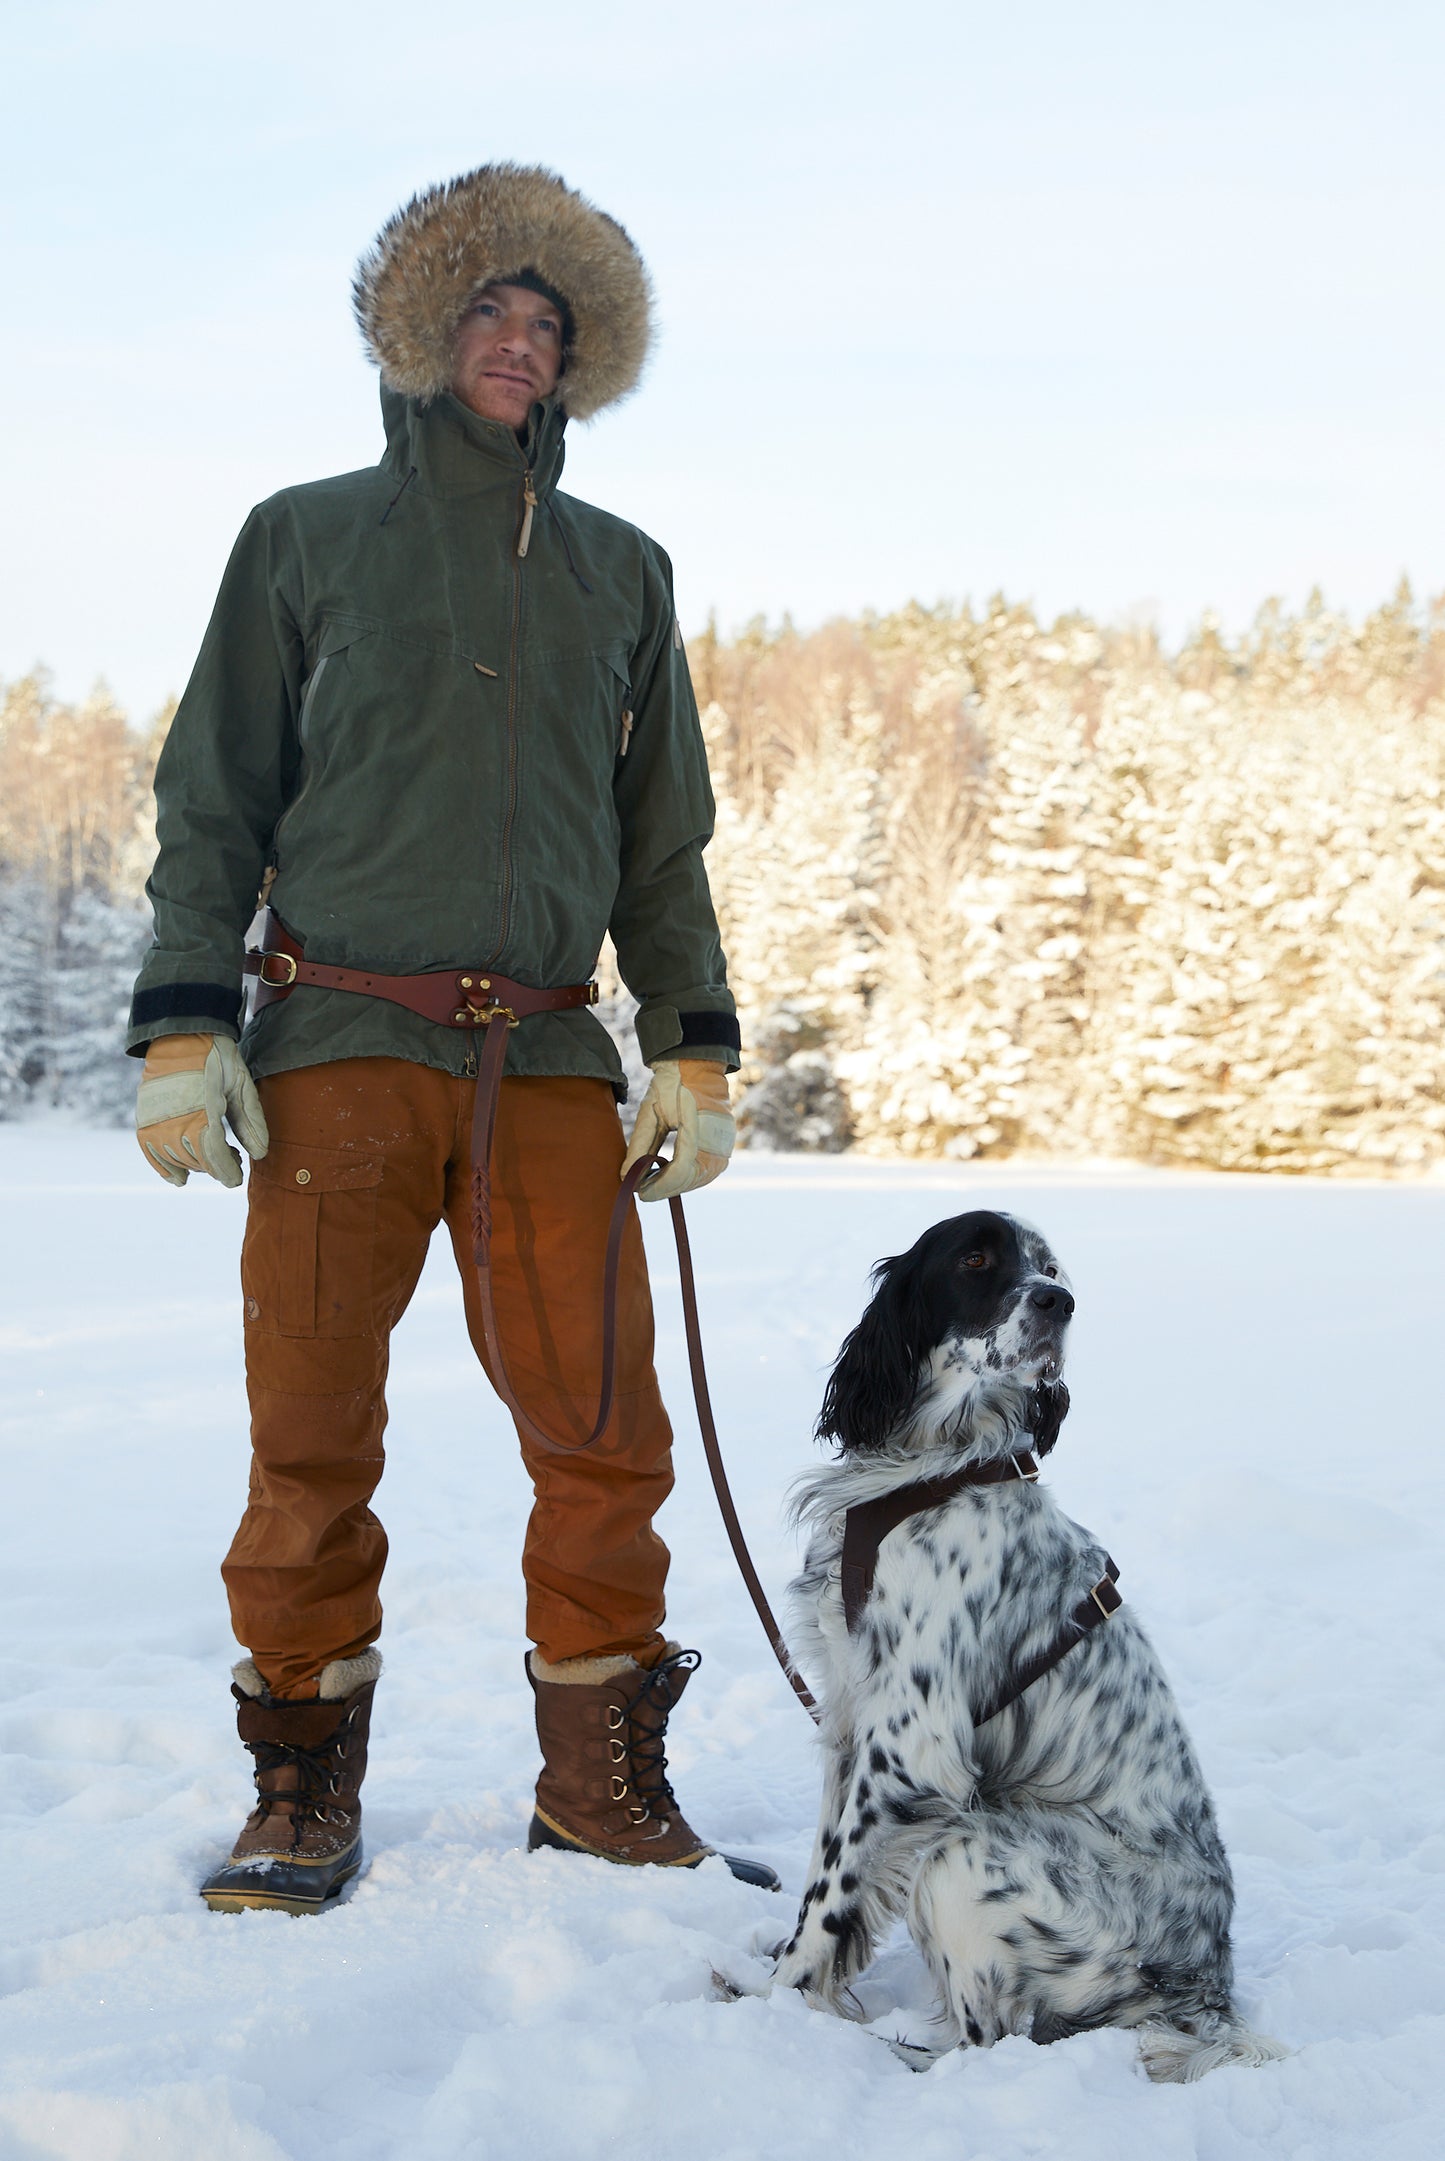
column 182, row 1009
column 665, row 1032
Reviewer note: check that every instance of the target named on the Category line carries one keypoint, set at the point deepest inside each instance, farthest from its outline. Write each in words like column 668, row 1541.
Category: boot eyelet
column 616, row 1718
column 618, row 1751
column 619, row 1789
column 639, row 1815
column 333, row 1785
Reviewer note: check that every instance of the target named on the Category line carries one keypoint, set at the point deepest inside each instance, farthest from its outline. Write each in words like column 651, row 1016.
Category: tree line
column 988, row 886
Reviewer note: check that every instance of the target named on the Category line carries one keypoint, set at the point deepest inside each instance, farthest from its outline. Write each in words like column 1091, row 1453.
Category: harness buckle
column 1029, row 1478
column 288, row 960
column 1107, row 1597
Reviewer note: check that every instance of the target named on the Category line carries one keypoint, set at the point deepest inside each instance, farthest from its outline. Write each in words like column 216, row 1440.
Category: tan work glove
column 688, row 1097
column 187, row 1082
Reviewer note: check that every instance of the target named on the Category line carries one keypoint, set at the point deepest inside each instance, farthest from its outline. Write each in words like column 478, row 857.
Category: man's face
column 508, row 353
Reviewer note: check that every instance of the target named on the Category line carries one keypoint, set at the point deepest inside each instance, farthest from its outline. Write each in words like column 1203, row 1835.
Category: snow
column 1255, row 1436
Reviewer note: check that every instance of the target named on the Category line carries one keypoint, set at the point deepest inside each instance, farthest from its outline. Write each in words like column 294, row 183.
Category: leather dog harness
column 474, row 998
column 866, row 1526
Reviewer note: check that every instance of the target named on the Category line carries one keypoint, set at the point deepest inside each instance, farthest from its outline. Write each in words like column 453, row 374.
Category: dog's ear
column 873, row 1385
column 1048, row 1408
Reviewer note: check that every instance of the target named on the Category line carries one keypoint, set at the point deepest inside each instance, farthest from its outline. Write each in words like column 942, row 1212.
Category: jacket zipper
column 529, row 504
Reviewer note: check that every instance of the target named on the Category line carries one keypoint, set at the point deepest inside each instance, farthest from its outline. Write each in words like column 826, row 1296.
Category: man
column 442, row 713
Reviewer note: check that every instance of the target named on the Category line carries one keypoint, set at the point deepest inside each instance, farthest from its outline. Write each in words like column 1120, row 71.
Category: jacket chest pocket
column 308, row 1261
column 617, row 689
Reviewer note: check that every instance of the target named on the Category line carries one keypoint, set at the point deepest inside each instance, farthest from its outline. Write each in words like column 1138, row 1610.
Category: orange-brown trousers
column 367, row 1155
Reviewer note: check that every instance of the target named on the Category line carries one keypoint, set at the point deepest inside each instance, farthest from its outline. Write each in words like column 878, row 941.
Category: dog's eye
column 975, row 1260
column 1052, row 1272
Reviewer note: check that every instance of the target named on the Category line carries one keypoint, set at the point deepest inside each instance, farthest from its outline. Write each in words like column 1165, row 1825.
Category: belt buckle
column 270, row 982
column 472, row 1015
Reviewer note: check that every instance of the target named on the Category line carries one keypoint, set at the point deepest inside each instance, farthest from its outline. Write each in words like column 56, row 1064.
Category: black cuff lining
column 186, row 1001
column 710, row 1028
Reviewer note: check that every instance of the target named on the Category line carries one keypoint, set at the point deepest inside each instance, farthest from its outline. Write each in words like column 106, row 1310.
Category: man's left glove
column 688, row 1097
column 188, row 1081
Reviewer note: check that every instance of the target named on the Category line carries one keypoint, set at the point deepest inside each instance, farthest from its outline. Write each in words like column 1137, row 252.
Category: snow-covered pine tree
column 25, row 940
column 98, row 951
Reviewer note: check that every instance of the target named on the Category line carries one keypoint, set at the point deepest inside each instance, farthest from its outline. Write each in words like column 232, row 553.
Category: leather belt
column 468, row 997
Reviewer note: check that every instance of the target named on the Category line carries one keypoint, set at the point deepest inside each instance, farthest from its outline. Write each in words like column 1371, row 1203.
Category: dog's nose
column 1054, row 1297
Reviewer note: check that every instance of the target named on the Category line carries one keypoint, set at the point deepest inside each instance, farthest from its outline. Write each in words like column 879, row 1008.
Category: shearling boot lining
column 590, row 1672
column 337, row 1681
column 427, row 264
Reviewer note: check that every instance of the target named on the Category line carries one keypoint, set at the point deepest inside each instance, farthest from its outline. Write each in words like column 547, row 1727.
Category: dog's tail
column 1176, row 2055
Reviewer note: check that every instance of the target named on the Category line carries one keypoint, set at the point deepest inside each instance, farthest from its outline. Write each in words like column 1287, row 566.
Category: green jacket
column 452, row 752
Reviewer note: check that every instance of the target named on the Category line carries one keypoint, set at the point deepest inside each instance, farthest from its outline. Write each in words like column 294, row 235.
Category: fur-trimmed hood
column 414, row 283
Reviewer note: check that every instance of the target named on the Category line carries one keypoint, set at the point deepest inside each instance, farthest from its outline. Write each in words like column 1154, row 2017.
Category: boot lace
column 316, row 1779
column 647, row 1742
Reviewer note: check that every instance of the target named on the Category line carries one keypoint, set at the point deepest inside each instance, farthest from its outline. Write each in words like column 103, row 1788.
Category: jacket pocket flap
column 304, row 1168
column 339, row 633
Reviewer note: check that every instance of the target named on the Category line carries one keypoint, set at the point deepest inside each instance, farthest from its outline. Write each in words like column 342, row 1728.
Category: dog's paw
column 909, row 2052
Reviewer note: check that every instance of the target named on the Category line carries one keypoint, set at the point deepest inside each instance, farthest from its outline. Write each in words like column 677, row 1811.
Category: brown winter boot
column 602, row 1725
column 302, row 1841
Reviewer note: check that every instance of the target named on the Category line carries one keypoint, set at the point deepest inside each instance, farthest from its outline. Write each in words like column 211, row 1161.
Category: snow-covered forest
column 987, row 887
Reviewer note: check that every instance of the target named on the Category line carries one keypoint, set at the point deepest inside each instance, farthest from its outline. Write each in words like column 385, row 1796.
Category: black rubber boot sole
column 542, row 1834
column 281, row 1886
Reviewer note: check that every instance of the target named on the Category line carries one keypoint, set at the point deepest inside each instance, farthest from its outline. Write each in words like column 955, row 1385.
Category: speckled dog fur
column 1059, row 1866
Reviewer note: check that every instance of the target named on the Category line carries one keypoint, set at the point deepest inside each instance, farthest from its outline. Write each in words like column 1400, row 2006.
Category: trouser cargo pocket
column 309, row 1255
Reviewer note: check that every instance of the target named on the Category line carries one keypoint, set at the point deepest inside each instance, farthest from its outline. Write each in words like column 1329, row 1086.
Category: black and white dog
column 1058, row 1861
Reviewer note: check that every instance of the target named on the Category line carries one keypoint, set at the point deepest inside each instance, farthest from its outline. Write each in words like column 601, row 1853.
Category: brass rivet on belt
column 462, row 1013
column 485, row 984
column 466, row 982
column 303, row 1178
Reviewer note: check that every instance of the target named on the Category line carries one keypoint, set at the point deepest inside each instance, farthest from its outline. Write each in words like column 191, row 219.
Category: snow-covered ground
column 1256, row 1435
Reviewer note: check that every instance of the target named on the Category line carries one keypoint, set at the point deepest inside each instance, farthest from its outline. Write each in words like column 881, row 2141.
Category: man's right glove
column 188, row 1081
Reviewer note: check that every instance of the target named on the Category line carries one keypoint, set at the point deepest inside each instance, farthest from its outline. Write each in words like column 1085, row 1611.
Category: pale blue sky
column 1120, row 306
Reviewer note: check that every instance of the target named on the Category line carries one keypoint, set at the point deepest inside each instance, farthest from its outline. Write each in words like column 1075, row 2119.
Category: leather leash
column 484, row 1125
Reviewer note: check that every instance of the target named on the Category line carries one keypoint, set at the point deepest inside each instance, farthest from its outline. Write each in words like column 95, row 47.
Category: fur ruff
column 335, row 1682
column 590, row 1672
column 413, row 285
column 1059, row 1866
